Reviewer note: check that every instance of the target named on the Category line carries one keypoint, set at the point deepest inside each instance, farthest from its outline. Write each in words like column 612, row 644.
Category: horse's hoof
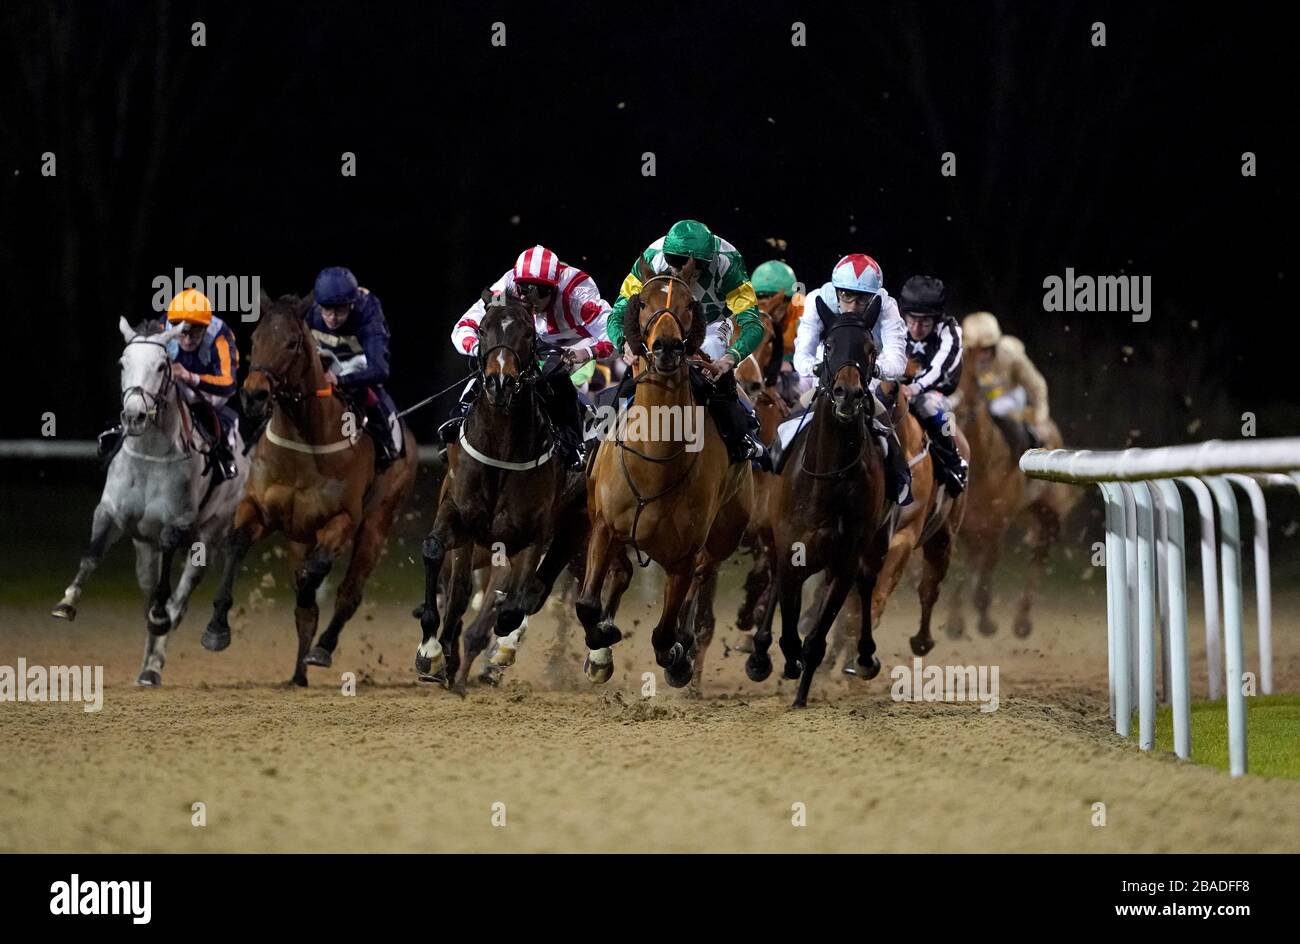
column 793, row 670
column 149, row 679
column 745, row 643
column 491, row 675
column 798, row 703
column 1023, row 627
column 679, row 670
column 955, row 629
column 758, row 666
column 300, row 679
column 988, row 627
column 430, row 660
column 214, row 640
column 319, row 656
column 865, row 672
column 921, row 644
column 434, row 678
column 64, row 611
column 599, row 665
column 505, row 651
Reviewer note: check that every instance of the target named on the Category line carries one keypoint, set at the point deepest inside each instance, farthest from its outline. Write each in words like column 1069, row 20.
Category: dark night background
column 226, row 160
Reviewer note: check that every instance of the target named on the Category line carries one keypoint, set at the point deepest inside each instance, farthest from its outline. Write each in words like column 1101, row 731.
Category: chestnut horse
column 829, row 511
column 999, row 494
column 504, row 490
column 313, row 479
column 678, row 502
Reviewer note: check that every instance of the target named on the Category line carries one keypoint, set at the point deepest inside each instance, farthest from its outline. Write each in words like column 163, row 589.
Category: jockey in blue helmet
column 348, row 323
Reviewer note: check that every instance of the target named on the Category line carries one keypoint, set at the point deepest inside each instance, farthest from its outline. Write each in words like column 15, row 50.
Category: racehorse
column 771, row 411
column 678, row 502
column 159, row 492
column 829, row 511
column 504, row 490
column 313, row 479
column 999, row 494
column 931, row 522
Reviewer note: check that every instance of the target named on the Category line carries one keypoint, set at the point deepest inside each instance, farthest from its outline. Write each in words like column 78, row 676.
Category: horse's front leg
column 159, row 619
column 331, row 543
column 814, row 644
column 670, row 652
column 247, row 530
column 103, row 533
column 442, row 537
column 459, row 587
column 601, row 634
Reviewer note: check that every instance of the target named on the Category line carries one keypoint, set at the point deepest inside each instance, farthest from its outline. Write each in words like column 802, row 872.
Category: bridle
column 155, row 400
column 281, row 389
column 678, row 343
column 824, row 388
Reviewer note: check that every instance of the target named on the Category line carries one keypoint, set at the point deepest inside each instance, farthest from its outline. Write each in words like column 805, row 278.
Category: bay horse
column 999, row 495
column 931, row 522
column 158, row 493
column 313, row 479
column 504, row 490
column 771, row 410
column 679, row 503
column 829, row 511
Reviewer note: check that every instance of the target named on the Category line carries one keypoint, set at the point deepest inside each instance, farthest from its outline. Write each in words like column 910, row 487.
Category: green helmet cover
column 691, row 238
column 773, row 276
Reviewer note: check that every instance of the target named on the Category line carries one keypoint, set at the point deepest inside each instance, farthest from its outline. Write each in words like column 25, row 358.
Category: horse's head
column 849, row 361
column 283, row 356
column 664, row 323
column 507, row 348
column 750, row 378
column 146, row 374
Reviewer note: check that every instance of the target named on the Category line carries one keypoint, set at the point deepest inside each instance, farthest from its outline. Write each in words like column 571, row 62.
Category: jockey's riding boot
column 450, row 429
column 223, row 460
column 109, row 440
column 1031, row 436
column 949, row 464
column 1013, row 431
column 569, row 447
column 898, row 475
column 377, row 423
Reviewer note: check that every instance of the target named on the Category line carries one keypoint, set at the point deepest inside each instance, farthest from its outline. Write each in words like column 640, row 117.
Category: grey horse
column 157, row 493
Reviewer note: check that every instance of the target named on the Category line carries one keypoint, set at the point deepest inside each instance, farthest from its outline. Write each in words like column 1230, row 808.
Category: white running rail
column 1146, row 577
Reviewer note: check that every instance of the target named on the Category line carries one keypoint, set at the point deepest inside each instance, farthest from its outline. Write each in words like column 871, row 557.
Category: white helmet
column 857, row 273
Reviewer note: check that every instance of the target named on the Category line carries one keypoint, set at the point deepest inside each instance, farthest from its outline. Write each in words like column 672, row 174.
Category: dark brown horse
column 504, row 491
column 313, row 479
column 829, row 511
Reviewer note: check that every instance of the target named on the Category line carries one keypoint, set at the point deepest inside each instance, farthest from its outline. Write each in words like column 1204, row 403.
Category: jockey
column 204, row 361
column 775, row 287
column 1015, row 390
column 348, row 324
column 569, row 312
column 854, row 280
column 934, row 343
column 715, row 272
